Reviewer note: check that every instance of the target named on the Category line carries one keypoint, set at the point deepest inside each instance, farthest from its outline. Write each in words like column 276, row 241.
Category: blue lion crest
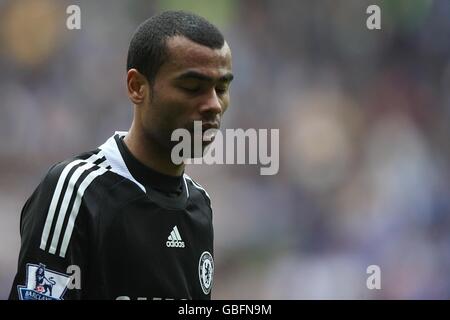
column 44, row 285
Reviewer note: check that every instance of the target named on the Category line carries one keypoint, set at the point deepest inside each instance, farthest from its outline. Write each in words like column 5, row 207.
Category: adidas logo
column 175, row 239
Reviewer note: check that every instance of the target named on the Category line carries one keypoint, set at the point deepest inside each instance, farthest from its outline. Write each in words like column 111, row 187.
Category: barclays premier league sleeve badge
column 43, row 284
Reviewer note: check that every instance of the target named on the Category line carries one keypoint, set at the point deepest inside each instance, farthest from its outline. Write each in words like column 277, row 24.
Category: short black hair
column 148, row 50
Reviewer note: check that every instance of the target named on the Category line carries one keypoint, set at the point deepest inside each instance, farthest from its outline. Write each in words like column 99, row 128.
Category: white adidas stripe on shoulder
column 65, row 203
column 73, row 179
column 118, row 166
column 187, row 189
column 197, row 186
column 76, row 207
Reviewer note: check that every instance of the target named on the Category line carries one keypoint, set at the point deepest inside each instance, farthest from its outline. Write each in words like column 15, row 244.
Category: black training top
column 104, row 226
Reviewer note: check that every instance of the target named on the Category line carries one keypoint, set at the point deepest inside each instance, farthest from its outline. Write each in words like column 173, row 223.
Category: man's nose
column 211, row 104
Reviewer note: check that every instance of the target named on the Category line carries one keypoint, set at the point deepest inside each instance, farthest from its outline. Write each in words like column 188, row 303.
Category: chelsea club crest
column 206, row 271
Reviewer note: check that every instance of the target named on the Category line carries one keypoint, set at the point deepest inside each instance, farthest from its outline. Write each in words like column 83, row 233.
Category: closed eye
column 221, row 90
column 190, row 89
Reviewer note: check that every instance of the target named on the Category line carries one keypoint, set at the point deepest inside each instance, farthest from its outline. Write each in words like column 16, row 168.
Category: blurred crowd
column 364, row 120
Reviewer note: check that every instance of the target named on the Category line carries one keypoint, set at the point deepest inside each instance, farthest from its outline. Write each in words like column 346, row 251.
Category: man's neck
column 151, row 154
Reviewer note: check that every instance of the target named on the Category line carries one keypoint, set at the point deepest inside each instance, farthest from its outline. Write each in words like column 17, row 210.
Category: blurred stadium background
column 364, row 136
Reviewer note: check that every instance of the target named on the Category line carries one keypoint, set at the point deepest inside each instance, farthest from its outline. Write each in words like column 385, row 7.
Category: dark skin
column 192, row 85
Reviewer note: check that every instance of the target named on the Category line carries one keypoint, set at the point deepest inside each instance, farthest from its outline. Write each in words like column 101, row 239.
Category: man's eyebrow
column 200, row 76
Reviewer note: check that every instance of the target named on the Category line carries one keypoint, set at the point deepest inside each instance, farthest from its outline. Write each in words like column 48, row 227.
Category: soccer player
column 123, row 221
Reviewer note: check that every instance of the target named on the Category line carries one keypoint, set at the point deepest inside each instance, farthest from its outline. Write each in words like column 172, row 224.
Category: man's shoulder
column 86, row 162
column 195, row 189
column 80, row 172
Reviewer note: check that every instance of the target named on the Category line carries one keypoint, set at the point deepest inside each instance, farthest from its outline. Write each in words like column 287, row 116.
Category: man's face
column 192, row 85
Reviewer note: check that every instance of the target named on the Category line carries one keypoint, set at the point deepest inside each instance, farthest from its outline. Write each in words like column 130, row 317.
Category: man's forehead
column 184, row 53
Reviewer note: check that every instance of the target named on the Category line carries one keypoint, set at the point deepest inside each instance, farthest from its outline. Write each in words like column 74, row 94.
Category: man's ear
column 138, row 86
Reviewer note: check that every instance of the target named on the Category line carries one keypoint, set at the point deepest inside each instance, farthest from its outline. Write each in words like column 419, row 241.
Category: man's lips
column 209, row 125
column 209, row 131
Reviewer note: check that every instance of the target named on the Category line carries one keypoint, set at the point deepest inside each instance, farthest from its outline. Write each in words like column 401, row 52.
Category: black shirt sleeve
column 54, row 241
